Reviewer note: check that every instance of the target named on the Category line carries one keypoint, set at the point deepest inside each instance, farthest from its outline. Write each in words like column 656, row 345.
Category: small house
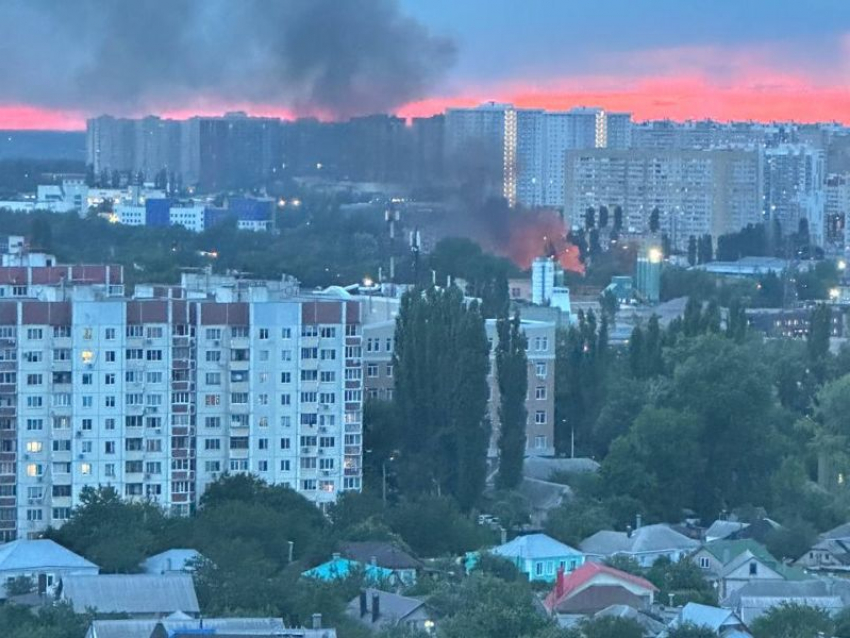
column 43, row 562
column 540, row 556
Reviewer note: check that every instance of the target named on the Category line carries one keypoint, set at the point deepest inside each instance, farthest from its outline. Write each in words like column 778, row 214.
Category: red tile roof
column 584, row 574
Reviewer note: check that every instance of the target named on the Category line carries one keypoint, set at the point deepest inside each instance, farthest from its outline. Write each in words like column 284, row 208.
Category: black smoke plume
column 326, row 57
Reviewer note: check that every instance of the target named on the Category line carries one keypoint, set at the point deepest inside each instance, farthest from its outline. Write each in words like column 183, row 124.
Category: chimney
column 376, row 607
column 503, row 533
column 335, row 556
column 638, row 521
column 317, row 621
column 628, row 531
column 363, row 608
column 373, row 561
column 559, row 583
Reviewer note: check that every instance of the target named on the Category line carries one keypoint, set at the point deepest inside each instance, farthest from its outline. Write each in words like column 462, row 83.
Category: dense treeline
column 705, row 418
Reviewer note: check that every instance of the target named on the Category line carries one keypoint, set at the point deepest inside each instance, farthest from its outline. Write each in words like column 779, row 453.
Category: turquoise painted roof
column 338, row 568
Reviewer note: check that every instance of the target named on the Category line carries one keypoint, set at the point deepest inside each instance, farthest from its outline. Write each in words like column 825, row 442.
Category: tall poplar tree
column 441, row 362
column 512, row 375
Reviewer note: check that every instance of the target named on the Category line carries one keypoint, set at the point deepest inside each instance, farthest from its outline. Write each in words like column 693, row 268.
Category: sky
column 681, row 59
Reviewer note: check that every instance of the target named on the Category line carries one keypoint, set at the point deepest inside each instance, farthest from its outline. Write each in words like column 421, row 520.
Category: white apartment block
column 530, row 144
column 697, row 192
column 161, row 393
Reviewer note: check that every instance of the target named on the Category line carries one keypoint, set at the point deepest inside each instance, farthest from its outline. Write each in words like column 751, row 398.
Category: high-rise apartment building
column 522, row 151
column 215, row 153
column 837, row 210
column 696, row 192
column 704, row 134
column 794, row 178
column 159, row 393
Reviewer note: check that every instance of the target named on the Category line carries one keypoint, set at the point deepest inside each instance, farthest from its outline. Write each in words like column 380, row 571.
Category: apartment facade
column 794, row 188
column 378, row 380
column 697, row 192
column 160, row 393
column 530, row 144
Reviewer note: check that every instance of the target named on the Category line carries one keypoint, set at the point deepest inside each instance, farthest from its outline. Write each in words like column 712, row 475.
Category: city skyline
column 754, row 62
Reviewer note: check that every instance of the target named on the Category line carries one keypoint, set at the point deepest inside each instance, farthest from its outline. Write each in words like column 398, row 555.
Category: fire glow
column 537, row 234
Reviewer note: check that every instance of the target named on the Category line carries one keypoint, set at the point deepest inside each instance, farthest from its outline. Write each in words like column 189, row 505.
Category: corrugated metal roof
column 144, row 628
column 534, row 546
column 40, row 554
column 652, row 538
column 132, row 593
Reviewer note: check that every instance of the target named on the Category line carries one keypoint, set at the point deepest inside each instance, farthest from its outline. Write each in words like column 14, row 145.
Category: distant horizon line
column 164, row 115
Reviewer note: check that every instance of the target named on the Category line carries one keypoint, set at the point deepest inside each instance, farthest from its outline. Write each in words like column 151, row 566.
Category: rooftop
column 651, row 538
column 585, row 574
column 392, row 607
column 534, row 546
column 385, row 555
column 132, row 593
column 40, row 554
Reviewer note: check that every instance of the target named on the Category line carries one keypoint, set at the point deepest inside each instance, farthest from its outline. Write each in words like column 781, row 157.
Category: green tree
column 692, row 320
column 637, row 354
column 692, row 250
column 730, row 394
column 415, row 521
column 483, row 606
column 736, row 322
column 581, row 365
column 441, row 363
column 818, row 340
column 654, row 220
column 620, row 410
column 618, row 218
column 114, row 534
column 684, row 580
column 690, row 630
column 611, row 627
column 661, row 449
column 512, row 376
column 576, row 521
column 792, row 620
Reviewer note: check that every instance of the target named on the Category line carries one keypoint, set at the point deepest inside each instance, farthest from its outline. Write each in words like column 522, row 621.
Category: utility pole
column 572, row 441
column 384, row 483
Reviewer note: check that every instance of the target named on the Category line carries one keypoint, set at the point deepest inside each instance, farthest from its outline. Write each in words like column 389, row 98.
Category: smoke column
column 324, row 57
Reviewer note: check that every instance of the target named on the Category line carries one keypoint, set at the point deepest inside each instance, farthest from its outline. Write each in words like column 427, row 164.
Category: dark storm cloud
column 334, row 56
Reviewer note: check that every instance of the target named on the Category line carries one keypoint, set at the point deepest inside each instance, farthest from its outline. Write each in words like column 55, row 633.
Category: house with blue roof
column 540, row 556
column 723, row 622
column 340, row 568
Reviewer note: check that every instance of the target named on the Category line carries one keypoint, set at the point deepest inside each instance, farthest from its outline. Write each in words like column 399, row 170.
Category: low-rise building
column 181, row 626
column 723, row 622
column 757, row 598
column 172, row 561
column 381, row 610
column 43, row 561
column 645, row 544
column 386, row 556
column 594, row 587
column 339, row 568
column 136, row 595
column 540, row 557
